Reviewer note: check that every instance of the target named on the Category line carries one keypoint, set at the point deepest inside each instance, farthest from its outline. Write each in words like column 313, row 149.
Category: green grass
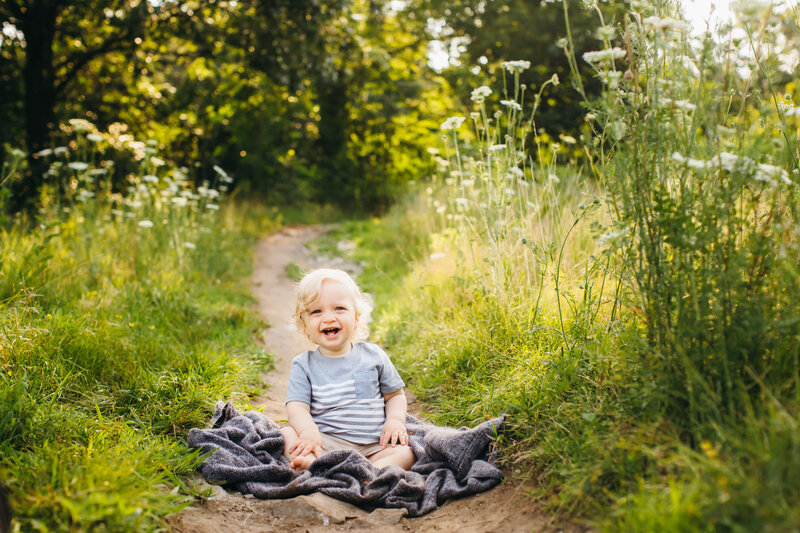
column 638, row 325
column 115, row 340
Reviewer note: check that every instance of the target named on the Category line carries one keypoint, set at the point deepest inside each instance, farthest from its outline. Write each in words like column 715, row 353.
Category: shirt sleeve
column 390, row 380
column 299, row 389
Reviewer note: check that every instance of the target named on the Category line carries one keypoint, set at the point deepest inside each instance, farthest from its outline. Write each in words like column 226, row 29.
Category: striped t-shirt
column 345, row 393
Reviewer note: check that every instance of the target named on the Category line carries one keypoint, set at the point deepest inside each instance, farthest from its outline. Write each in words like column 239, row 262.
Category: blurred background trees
column 300, row 100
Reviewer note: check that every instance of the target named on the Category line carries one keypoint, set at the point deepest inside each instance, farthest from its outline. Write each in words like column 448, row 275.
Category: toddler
column 345, row 394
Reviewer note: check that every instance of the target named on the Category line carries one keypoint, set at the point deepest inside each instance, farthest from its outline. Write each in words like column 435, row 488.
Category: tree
column 60, row 40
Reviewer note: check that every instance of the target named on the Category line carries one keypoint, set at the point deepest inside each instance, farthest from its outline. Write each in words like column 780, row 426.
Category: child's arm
column 310, row 440
column 394, row 429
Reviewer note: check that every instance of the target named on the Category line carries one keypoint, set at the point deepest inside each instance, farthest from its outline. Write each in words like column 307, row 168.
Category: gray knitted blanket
column 450, row 463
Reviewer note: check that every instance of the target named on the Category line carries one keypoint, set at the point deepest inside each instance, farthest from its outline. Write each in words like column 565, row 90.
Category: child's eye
column 314, row 312
column 341, row 308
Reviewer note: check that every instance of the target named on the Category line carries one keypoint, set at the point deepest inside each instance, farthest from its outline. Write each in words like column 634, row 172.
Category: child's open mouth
column 330, row 332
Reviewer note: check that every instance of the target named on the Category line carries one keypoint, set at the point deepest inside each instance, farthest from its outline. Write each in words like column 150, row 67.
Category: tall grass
column 123, row 317
column 634, row 310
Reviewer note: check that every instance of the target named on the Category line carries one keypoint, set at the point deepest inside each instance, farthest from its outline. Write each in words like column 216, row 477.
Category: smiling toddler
column 345, row 394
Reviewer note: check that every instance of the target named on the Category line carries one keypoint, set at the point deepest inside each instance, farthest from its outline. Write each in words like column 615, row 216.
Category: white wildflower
column 437, row 255
column 474, row 115
column 78, row 165
column 696, row 164
column 509, row 192
column 157, row 161
column 98, row 172
column 80, row 124
column 431, row 150
column 84, row 195
column 43, row 153
column 516, row 67
column 516, row 172
column 569, row 139
column 511, row 104
column 452, row 123
column 554, row 80
column 676, row 156
column 605, row 33
column 117, row 212
column 189, row 245
column 497, row 147
column 553, row 178
column 462, row 202
column 145, row 224
column 180, row 201
column 213, row 207
column 768, row 173
column 467, row 183
column 58, row 150
column 601, row 56
column 666, row 24
column 94, row 137
column 479, row 95
column 149, row 178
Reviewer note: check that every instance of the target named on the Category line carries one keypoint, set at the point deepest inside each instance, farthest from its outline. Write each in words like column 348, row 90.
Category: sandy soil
column 505, row 508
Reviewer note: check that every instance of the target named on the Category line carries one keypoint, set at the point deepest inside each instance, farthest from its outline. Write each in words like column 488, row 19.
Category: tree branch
column 81, row 59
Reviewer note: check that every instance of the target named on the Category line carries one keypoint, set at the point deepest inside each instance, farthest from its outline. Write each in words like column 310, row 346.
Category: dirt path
column 505, row 508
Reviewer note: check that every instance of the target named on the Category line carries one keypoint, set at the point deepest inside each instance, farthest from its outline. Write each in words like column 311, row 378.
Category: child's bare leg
column 401, row 456
column 301, row 462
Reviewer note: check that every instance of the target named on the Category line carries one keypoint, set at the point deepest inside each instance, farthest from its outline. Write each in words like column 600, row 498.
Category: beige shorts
column 330, row 443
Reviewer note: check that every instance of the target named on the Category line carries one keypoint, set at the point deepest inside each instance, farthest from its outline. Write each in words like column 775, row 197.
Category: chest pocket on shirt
column 366, row 383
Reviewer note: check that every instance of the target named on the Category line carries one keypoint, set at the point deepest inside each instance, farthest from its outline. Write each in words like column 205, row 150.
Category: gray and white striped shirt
column 345, row 393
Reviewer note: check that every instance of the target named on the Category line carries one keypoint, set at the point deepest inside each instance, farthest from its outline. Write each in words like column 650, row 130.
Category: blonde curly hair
column 308, row 290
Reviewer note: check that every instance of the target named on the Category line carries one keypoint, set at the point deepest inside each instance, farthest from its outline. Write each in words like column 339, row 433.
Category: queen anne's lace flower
column 479, row 95
column 515, row 67
column 601, row 56
column 452, row 123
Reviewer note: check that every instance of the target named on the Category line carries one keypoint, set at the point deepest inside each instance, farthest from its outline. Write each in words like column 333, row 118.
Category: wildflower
column 605, row 33
column 497, row 147
column 562, row 42
column 569, row 139
column 697, row 164
column 180, row 201
column 509, row 192
column 516, row 67
column 43, row 153
column 145, row 224
column 452, row 123
column 768, row 173
column 213, row 207
column 678, row 158
column 479, row 95
column 666, row 24
column 618, row 129
column 98, row 172
column 516, row 172
column 441, row 209
column 149, row 178
column 85, row 195
column 80, row 124
column 554, row 80
column 433, row 151
column 437, row 255
column 474, row 115
column 467, row 183
column 512, row 104
column 94, row 137
column 601, row 56
column 189, row 245
column 157, row 161
column 553, row 178
column 116, row 212
column 78, row 165
column 58, row 150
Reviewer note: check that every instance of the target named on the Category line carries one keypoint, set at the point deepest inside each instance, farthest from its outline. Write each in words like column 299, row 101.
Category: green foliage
column 122, row 320
column 644, row 340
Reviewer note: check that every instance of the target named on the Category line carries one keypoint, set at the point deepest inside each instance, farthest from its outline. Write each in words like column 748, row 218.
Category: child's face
column 331, row 319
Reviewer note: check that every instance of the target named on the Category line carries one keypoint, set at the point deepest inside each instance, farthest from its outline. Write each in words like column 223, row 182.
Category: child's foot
column 302, row 463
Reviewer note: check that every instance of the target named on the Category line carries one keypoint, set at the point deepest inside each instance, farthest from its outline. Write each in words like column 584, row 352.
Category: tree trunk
column 38, row 25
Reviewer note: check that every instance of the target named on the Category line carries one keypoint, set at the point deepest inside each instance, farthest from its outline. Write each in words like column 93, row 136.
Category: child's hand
column 394, row 432
column 309, row 441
